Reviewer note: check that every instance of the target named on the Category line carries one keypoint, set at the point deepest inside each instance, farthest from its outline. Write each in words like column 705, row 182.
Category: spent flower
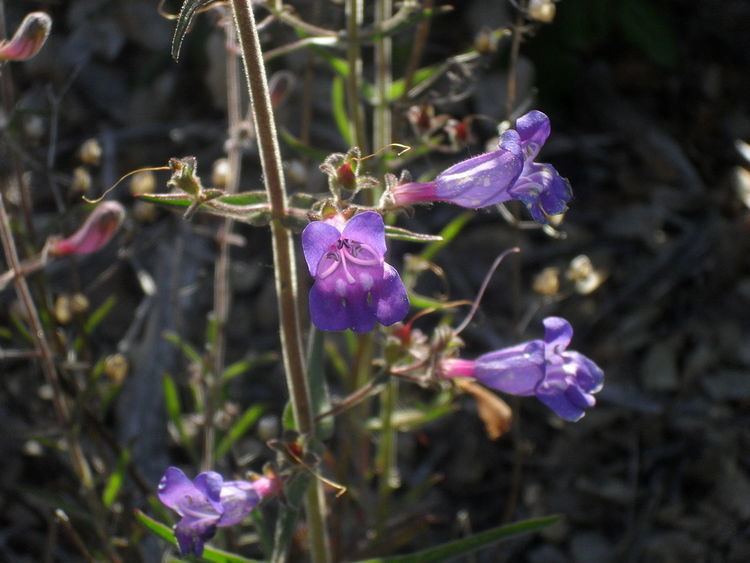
column 98, row 229
column 564, row 380
column 208, row 502
column 507, row 173
column 28, row 39
column 354, row 286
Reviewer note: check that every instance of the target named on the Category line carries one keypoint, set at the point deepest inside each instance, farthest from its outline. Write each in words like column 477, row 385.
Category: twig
column 284, row 266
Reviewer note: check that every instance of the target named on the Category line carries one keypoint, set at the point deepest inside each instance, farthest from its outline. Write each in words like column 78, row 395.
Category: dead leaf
column 494, row 412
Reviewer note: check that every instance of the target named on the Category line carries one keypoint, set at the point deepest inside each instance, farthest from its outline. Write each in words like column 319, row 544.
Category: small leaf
column 243, row 366
column 115, row 481
column 397, row 233
column 188, row 351
column 472, row 543
column 294, row 143
column 321, row 400
column 101, row 312
column 397, row 88
column 174, row 412
column 239, row 429
column 338, row 106
column 449, row 232
column 166, row 533
column 185, row 17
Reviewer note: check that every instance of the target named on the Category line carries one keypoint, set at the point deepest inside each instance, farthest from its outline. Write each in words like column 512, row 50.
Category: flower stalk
column 283, row 252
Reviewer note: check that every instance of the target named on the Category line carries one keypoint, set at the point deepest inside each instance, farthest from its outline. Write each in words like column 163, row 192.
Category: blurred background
column 649, row 107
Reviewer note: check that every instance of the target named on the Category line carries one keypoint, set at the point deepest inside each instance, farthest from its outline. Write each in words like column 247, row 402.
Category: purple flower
column 354, row 287
column 563, row 380
column 208, row 502
column 539, row 187
column 507, row 173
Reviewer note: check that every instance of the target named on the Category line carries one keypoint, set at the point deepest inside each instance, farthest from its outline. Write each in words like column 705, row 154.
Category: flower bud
column 90, row 152
column 96, row 232
column 116, row 368
column 62, row 311
column 28, row 39
column 143, row 182
column 220, row 174
column 79, row 304
column 81, row 180
column 346, row 177
column 542, row 10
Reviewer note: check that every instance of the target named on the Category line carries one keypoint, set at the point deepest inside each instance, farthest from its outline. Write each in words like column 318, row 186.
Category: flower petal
column 330, row 310
column 174, row 488
column 485, row 179
column 317, row 238
column 534, row 128
column 516, row 370
column 367, row 228
column 557, row 400
column 391, row 299
column 542, row 190
column 587, row 375
column 557, row 335
column 209, row 483
column 193, row 534
column 238, row 499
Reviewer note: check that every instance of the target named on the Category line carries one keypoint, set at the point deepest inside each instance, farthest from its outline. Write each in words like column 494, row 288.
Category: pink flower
column 94, row 234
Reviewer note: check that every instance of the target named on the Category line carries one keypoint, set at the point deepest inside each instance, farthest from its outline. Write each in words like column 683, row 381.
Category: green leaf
column 321, row 401
column 166, row 533
column 408, row 419
column 472, row 543
column 296, row 144
column 243, row 366
column 188, row 351
column 289, row 512
column 396, row 90
column 338, row 106
column 287, row 417
column 239, row 429
column 449, row 232
column 115, row 481
column 397, row 233
column 99, row 315
column 174, row 408
column 185, row 17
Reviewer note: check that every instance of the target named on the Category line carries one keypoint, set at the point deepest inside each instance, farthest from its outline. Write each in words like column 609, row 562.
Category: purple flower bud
column 507, row 173
column 354, row 287
column 563, row 380
column 28, row 39
column 209, row 502
column 98, row 229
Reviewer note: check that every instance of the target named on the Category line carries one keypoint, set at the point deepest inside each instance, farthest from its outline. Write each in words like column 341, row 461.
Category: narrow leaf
column 321, row 400
column 398, row 233
column 449, row 232
column 243, row 366
column 115, row 481
column 174, row 406
column 177, row 341
column 101, row 312
column 166, row 533
column 472, row 543
column 239, row 429
column 184, row 19
column 338, row 106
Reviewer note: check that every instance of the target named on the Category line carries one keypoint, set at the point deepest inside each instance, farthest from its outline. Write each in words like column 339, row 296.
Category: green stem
column 283, row 252
column 354, row 15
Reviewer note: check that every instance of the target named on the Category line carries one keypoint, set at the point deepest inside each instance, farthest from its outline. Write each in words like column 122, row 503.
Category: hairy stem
column 354, row 15
column 283, row 251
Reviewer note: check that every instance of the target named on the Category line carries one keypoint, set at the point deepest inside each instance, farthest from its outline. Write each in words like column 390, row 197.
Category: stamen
column 332, row 268
column 374, row 261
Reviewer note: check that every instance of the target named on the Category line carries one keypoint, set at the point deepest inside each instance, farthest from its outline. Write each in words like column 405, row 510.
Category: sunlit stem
column 284, row 266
